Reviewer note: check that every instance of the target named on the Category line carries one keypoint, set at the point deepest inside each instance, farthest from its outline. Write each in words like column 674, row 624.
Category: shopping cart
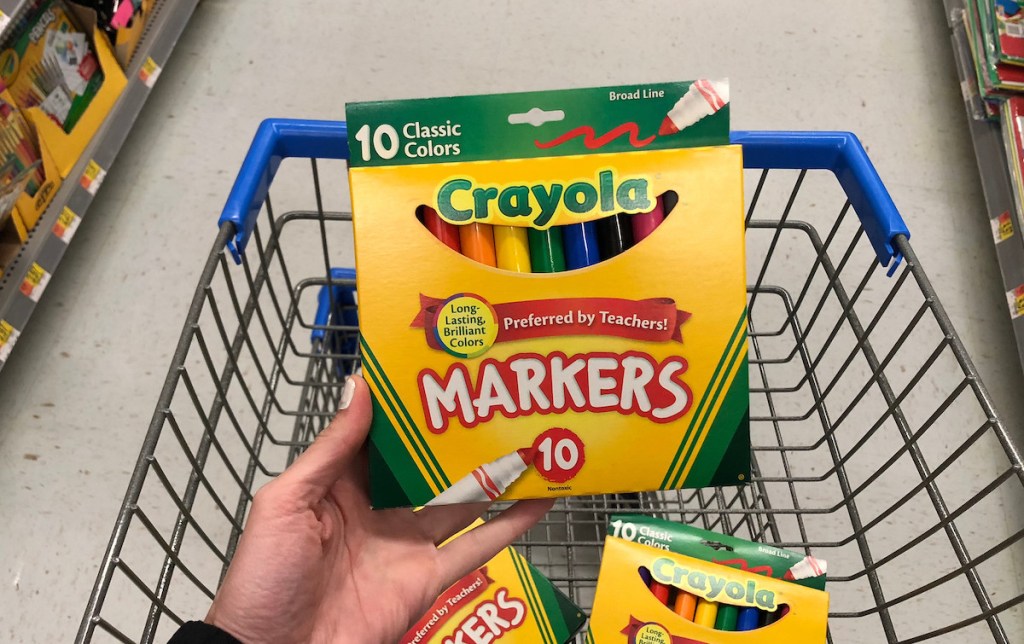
column 875, row 445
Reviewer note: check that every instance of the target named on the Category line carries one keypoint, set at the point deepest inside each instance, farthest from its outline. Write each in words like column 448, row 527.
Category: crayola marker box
column 627, row 612
column 507, row 600
column 721, row 549
column 628, row 373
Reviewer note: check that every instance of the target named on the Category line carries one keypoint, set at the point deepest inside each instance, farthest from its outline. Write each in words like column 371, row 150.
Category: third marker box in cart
column 581, row 372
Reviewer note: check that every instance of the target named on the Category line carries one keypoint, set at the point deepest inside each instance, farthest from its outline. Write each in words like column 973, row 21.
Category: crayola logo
column 666, row 571
column 459, row 200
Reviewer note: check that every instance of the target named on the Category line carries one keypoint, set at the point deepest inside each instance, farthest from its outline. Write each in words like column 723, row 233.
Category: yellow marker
column 707, row 613
column 513, row 248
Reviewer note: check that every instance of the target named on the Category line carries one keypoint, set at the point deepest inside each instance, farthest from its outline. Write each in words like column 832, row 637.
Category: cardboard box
column 67, row 147
column 625, row 609
column 31, row 207
column 507, row 599
column 626, row 375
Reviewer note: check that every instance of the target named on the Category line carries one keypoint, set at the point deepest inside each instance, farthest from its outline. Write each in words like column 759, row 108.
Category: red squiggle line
column 592, row 141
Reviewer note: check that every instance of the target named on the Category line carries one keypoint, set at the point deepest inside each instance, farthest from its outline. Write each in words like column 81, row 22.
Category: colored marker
column 749, row 619
column 614, row 235
column 660, row 592
column 645, row 574
column 669, row 201
column 703, row 98
column 580, row 241
column 489, row 481
column 775, row 615
column 726, row 618
column 547, row 254
column 447, row 233
column 685, row 605
column 644, row 224
column 513, row 248
column 477, row 241
column 706, row 613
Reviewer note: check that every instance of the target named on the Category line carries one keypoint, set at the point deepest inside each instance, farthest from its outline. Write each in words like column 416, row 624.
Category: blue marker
column 580, row 245
column 748, row 619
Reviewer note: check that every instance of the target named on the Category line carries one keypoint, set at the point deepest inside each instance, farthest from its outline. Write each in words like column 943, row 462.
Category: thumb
column 334, row 451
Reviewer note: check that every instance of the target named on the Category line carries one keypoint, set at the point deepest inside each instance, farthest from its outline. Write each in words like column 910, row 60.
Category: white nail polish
column 347, row 394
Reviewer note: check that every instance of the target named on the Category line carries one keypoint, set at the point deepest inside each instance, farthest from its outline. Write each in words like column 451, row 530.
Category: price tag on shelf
column 35, row 282
column 8, row 337
column 92, row 177
column 1015, row 298
column 67, row 224
column 1002, row 227
column 150, row 72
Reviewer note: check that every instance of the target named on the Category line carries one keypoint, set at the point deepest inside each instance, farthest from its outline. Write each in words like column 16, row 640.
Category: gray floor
column 78, row 393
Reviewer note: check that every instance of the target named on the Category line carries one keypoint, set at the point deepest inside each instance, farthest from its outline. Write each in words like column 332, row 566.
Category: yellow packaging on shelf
column 506, row 599
column 626, row 374
column 128, row 38
column 627, row 612
column 31, row 207
column 67, row 147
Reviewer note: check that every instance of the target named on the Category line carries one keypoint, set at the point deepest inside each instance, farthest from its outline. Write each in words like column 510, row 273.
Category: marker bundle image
column 545, row 304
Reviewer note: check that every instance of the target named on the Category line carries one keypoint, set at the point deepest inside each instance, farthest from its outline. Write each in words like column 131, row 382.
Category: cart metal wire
column 875, row 444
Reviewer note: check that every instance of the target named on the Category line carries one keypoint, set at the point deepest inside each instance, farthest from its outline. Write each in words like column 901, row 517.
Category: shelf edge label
column 66, row 225
column 8, row 338
column 1002, row 227
column 35, row 282
column 1015, row 300
column 149, row 72
column 93, row 177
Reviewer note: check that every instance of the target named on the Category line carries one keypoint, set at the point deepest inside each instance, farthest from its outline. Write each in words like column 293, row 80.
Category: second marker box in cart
column 493, row 379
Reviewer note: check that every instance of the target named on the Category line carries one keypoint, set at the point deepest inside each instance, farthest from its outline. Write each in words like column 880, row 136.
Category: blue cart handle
column 844, row 156
column 839, row 152
column 275, row 140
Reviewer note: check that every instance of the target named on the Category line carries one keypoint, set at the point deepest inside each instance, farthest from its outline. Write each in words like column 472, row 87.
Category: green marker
column 727, row 616
column 546, row 252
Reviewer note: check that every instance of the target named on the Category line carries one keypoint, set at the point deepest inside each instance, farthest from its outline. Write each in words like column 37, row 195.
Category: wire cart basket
column 875, row 444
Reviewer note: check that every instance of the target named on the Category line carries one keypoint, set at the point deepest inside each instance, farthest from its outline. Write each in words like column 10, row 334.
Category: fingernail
column 359, row 371
column 347, row 394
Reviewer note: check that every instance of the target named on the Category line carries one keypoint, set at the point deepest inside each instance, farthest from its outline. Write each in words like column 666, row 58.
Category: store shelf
column 41, row 254
column 995, row 174
column 10, row 11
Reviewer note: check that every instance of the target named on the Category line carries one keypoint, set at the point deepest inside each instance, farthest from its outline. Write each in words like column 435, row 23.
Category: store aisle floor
column 79, row 391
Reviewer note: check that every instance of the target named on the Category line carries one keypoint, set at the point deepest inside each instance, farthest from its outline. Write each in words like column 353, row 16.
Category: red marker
column 704, row 98
column 660, row 592
column 444, row 231
column 644, row 225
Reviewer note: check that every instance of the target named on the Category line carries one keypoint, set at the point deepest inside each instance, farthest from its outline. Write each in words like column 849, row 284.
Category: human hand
column 316, row 564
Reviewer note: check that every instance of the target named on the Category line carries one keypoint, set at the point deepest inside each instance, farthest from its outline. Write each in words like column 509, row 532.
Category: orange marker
column 447, row 233
column 685, row 605
column 478, row 243
column 513, row 248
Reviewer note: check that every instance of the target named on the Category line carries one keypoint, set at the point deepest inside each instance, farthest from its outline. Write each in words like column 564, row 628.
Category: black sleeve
column 201, row 633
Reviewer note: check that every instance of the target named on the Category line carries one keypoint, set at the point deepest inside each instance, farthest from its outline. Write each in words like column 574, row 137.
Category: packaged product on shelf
column 23, row 152
column 50, row 65
column 60, row 70
column 123, row 21
column 552, row 296
column 506, row 599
